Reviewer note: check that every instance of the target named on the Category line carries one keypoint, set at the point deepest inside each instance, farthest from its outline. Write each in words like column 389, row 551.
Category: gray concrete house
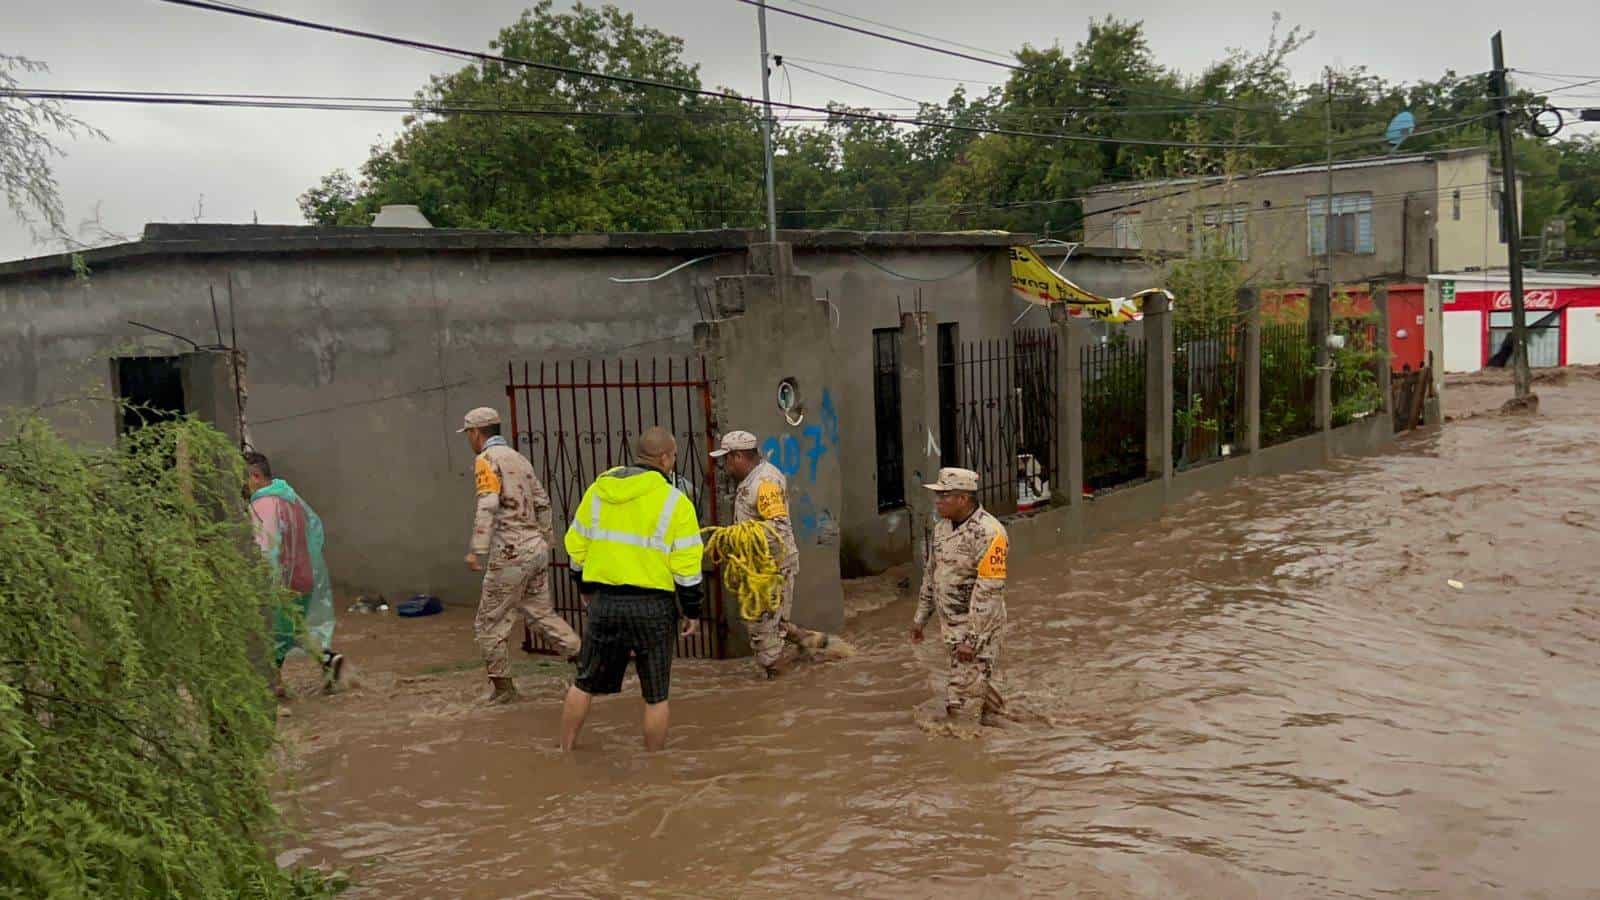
column 362, row 347
column 1394, row 217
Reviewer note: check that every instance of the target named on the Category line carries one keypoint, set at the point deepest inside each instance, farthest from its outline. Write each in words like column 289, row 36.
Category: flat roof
column 184, row 239
column 1363, row 163
column 1500, row 278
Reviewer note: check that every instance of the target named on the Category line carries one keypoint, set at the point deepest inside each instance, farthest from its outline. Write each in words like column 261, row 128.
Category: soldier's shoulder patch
column 993, row 562
column 488, row 480
column 770, row 503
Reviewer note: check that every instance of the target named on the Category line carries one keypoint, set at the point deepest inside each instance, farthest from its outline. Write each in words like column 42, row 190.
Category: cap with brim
column 479, row 418
column 955, row 480
column 735, row 440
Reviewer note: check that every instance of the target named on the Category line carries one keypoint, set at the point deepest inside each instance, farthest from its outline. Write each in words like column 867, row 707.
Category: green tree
column 135, row 735
column 562, row 154
column 29, row 128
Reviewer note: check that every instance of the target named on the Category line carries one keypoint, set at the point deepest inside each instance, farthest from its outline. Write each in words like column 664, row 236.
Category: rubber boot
column 505, row 691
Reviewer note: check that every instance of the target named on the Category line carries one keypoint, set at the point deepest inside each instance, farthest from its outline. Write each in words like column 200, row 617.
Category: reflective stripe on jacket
column 634, row 528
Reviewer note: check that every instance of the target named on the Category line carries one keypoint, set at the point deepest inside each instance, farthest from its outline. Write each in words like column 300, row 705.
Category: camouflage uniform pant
column 972, row 683
column 514, row 587
column 767, row 633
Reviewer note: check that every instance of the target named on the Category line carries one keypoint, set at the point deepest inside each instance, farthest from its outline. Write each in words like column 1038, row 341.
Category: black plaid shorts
column 644, row 628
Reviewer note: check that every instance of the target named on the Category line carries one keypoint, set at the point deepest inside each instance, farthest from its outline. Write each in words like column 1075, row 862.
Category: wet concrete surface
column 1272, row 692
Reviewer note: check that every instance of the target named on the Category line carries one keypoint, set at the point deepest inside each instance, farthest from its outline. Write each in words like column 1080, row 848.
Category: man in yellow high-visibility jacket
column 635, row 551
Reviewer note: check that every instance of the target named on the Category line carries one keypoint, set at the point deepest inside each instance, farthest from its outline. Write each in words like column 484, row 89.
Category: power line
column 898, row 28
column 880, row 35
column 839, row 65
column 212, row 6
column 790, row 64
column 355, row 104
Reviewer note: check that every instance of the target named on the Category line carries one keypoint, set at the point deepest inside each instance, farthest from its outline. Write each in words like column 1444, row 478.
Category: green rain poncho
column 289, row 533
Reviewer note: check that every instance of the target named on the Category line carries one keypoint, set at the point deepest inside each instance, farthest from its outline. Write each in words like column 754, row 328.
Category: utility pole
column 1500, row 86
column 1327, row 212
column 766, row 124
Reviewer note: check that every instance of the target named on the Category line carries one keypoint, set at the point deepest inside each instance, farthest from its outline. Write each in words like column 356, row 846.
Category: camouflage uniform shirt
column 762, row 496
column 513, row 511
column 965, row 582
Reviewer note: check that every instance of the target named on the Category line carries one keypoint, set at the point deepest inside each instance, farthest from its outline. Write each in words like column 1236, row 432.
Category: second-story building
column 1402, row 216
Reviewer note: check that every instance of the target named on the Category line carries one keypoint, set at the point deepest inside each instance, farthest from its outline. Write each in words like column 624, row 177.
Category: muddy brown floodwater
column 1272, row 692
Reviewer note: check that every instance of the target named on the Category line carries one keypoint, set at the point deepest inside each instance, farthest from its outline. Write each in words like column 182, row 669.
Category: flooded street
column 1271, row 692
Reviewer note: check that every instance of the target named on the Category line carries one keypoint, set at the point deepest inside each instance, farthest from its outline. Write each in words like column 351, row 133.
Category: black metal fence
column 1208, row 375
column 1114, row 375
column 1355, row 370
column 1038, row 399
column 574, row 420
column 1005, row 414
column 1288, row 382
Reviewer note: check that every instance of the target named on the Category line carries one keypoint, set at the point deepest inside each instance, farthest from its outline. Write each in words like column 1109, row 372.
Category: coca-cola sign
column 1530, row 300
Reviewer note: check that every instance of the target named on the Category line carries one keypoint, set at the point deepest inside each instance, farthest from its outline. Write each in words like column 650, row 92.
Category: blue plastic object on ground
column 420, row 605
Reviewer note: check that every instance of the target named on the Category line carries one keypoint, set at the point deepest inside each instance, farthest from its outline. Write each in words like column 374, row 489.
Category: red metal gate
column 574, row 420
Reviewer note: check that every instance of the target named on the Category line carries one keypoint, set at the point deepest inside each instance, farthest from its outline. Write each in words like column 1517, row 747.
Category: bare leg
column 655, row 725
column 573, row 712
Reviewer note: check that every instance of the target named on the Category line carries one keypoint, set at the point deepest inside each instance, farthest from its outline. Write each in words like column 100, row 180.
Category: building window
column 1222, row 231
column 949, row 439
column 1455, row 205
column 886, row 407
column 1126, row 232
column 1498, row 201
column 150, row 389
column 1352, row 224
column 1544, row 337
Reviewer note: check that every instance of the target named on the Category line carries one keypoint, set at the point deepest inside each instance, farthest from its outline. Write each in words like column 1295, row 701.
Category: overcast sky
column 165, row 164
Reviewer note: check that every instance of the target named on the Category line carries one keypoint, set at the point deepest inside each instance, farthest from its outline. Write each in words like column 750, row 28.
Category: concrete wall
column 361, row 363
column 770, row 327
column 359, row 369
column 976, row 296
column 1472, row 240
column 1463, row 341
column 1582, row 335
column 1146, row 502
column 1405, row 208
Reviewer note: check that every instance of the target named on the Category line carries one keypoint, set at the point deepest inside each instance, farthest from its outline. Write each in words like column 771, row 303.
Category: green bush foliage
column 135, row 732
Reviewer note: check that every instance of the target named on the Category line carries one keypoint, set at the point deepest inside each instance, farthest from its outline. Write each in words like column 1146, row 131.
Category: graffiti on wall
column 793, row 455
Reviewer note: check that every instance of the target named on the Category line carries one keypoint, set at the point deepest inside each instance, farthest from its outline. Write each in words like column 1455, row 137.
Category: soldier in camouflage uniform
column 965, row 582
column 511, row 535
column 762, row 496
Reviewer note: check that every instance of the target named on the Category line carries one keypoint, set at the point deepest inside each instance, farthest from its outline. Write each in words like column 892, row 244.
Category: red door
column 1406, row 344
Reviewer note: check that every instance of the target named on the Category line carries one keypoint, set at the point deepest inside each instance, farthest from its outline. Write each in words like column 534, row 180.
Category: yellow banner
column 1036, row 282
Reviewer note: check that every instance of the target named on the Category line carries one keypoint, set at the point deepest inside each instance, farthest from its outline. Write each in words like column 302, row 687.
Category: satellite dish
column 1400, row 128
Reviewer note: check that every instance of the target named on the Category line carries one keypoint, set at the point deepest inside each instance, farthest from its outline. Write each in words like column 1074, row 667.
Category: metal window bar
column 1288, row 382
column 575, row 420
column 1208, row 390
column 949, row 430
column 988, row 420
column 1037, row 397
column 1113, row 413
column 886, row 418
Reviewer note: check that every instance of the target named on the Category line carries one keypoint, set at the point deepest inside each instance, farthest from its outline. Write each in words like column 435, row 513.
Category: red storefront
column 1563, row 318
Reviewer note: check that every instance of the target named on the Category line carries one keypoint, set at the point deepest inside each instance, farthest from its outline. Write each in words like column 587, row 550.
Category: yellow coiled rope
column 749, row 571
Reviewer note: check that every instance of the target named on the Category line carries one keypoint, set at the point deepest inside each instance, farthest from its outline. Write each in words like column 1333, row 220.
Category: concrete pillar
column 213, row 389
column 1321, row 321
column 1250, row 311
column 918, row 356
column 767, row 327
column 1380, row 303
column 1069, row 406
column 1158, row 342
